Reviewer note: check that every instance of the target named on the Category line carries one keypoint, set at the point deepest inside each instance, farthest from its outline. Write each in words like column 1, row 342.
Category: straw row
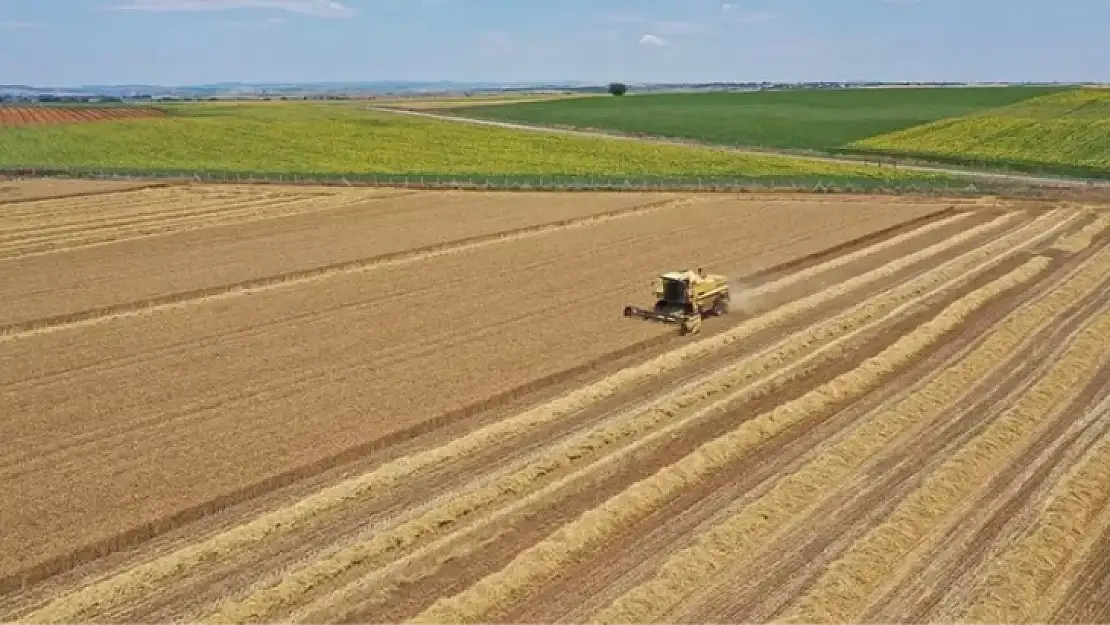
column 661, row 419
column 752, row 525
column 1017, row 582
column 542, row 561
column 843, row 590
column 133, row 583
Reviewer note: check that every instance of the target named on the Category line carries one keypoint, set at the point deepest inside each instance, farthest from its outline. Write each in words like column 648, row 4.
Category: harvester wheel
column 691, row 325
column 720, row 307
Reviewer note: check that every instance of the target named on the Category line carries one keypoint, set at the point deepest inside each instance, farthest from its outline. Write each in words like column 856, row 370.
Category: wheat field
column 246, row 404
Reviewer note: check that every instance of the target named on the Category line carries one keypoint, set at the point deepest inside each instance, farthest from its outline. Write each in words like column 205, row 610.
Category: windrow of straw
column 140, row 580
column 544, row 560
column 842, row 592
column 1082, row 240
column 1016, row 585
column 662, row 419
column 799, row 277
column 749, row 527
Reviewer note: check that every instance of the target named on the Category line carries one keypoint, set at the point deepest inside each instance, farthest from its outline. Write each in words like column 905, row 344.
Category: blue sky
column 69, row 42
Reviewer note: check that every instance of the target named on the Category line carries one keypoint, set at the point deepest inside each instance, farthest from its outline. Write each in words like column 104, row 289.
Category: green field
column 1066, row 132
column 308, row 138
column 817, row 120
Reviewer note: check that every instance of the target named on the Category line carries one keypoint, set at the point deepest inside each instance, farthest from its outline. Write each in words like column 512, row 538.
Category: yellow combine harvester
column 685, row 297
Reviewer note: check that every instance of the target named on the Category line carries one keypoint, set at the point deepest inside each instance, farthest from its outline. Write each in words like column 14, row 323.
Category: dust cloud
column 742, row 297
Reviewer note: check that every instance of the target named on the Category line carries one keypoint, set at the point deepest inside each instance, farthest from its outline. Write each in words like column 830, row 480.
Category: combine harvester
column 686, row 297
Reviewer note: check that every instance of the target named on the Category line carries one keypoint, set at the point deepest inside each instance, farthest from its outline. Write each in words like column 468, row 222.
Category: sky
column 182, row 42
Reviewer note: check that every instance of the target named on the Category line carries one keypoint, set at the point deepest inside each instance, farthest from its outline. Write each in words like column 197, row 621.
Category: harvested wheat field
column 23, row 190
column 292, row 404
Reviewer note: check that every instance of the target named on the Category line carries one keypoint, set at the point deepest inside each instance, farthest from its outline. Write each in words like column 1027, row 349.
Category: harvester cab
column 685, row 297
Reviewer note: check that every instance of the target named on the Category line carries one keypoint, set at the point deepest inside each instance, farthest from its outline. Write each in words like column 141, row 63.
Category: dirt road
column 1028, row 179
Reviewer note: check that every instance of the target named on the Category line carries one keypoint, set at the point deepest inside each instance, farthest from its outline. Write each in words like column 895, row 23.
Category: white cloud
column 653, row 40
column 315, row 8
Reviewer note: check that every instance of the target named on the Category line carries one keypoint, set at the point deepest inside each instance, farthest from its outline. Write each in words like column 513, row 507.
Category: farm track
column 1052, row 181
column 624, row 478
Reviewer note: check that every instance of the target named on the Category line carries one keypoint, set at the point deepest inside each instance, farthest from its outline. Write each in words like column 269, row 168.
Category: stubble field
column 260, row 404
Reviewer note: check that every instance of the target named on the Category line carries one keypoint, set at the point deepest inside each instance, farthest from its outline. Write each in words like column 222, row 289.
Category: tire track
column 108, row 313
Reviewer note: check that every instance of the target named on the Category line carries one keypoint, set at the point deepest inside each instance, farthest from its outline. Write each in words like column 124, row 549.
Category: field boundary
column 550, row 183
column 1092, row 175
column 920, row 163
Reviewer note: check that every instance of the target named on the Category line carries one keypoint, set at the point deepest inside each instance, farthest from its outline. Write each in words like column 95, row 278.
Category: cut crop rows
column 429, row 424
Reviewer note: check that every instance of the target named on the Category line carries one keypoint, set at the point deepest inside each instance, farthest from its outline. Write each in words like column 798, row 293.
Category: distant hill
column 386, row 87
